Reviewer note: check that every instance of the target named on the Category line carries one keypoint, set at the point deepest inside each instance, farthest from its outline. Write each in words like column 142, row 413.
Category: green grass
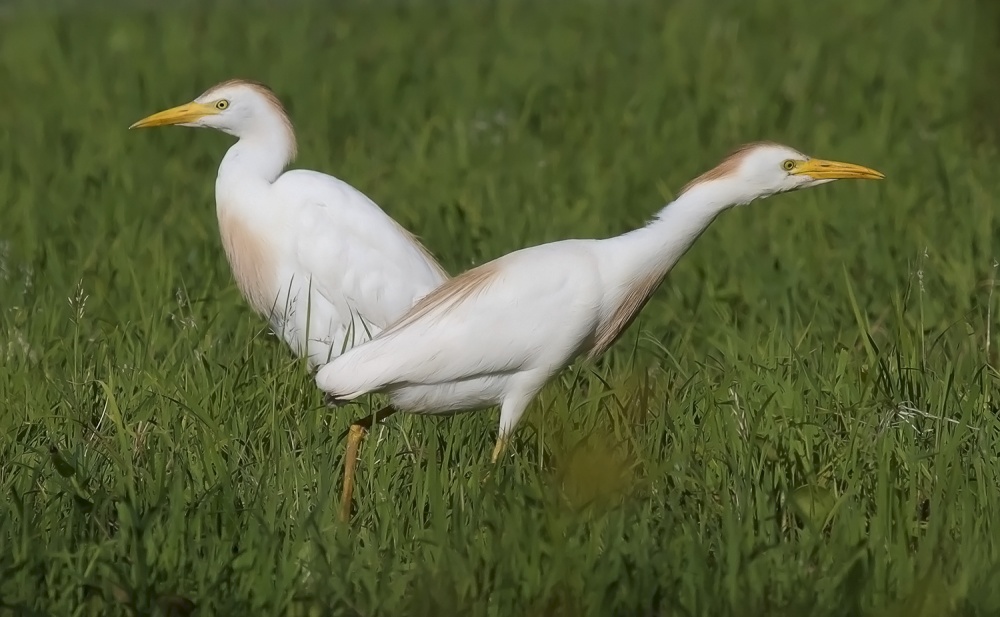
column 802, row 422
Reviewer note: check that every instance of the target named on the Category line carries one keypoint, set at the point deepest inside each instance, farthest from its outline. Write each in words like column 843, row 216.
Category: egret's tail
column 338, row 385
column 352, row 374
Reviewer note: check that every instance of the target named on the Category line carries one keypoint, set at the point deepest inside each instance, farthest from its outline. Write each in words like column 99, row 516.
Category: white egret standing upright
column 322, row 262
column 497, row 333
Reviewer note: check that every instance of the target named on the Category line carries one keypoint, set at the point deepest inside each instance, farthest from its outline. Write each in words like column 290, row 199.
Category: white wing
column 529, row 309
column 356, row 254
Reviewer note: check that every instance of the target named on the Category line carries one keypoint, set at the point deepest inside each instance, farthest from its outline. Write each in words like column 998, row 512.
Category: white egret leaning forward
column 319, row 260
column 496, row 334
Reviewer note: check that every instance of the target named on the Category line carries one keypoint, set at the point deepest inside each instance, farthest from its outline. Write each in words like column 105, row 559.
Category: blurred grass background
column 802, row 421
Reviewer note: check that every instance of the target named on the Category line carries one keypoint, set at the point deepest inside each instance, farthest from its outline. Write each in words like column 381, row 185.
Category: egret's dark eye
column 788, row 165
column 220, row 105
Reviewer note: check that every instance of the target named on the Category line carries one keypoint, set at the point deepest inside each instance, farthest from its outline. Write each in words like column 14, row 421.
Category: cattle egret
column 497, row 333
column 320, row 261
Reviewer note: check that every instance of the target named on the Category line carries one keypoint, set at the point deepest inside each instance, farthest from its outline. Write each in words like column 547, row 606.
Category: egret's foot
column 499, row 448
column 497, row 451
column 486, row 477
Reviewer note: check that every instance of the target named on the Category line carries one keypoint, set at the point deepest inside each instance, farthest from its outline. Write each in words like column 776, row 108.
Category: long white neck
column 651, row 251
column 265, row 147
column 633, row 265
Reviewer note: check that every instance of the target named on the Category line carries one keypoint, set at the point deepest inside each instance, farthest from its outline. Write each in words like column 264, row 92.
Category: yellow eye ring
column 222, row 104
column 788, row 165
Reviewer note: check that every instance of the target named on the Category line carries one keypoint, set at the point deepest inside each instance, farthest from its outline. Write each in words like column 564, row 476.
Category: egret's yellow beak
column 834, row 170
column 189, row 112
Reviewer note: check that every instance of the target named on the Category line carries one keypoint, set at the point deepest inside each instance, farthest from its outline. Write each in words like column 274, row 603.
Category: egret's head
column 237, row 107
column 761, row 169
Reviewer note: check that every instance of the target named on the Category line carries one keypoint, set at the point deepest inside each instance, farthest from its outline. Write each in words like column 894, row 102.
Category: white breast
column 252, row 259
column 310, row 324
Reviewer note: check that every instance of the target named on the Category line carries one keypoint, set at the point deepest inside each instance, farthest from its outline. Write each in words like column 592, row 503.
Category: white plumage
column 497, row 333
column 317, row 258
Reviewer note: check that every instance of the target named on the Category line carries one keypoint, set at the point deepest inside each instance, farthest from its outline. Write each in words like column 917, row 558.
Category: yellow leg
column 497, row 451
column 499, row 448
column 357, row 433
column 354, row 436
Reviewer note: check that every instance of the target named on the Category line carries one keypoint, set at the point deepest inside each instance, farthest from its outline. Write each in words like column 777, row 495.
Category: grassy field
column 802, row 422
